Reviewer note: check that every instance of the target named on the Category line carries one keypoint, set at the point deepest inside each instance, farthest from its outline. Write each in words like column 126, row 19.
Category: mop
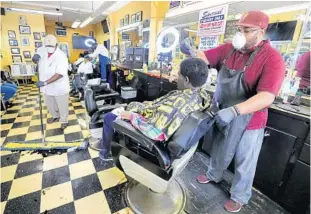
column 42, row 144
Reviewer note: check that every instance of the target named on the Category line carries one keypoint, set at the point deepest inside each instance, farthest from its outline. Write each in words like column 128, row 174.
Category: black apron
column 231, row 90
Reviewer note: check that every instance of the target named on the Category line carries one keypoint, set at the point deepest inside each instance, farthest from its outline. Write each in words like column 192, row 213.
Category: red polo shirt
column 265, row 73
column 303, row 68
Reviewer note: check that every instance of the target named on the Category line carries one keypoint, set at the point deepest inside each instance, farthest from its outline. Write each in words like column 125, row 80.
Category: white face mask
column 50, row 49
column 238, row 41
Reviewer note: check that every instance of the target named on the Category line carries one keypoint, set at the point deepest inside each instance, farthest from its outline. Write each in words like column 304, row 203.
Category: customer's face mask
column 50, row 49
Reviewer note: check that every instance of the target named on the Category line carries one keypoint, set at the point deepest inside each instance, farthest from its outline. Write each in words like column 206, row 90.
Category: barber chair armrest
column 127, row 129
column 103, row 110
column 107, row 96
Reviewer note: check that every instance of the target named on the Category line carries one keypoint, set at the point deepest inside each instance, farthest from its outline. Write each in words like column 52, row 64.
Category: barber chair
column 153, row 166
column 95, row 113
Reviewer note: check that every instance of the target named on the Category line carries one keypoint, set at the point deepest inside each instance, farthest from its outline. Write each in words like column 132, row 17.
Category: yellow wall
column 11, row 22
column 130, row 8
column 73, row 53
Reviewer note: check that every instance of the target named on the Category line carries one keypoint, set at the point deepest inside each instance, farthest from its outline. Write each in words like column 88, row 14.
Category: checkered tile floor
column 74, row 182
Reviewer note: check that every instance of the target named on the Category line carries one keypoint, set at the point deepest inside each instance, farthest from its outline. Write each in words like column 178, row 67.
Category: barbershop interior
column 155, row 107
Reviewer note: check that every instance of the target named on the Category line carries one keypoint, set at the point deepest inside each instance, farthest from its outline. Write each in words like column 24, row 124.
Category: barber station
column 167, row 107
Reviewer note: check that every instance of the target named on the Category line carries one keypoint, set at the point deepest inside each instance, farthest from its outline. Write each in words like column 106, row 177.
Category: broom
column 43, row 144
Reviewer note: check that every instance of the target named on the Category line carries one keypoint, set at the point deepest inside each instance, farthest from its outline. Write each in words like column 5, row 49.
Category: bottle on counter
column 286, row 89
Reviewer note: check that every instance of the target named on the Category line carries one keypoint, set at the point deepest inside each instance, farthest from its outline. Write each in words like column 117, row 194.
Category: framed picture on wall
column 23, row 29
column 37, row 36
column 126, row 19
column 38, row 44
column 43, row 34
column 121, row 22
column 11, row 34
column 13, row 42
column 15, row 51
column 16, row 58
column 133, row 18
column 27, row 54
column 139, row 16
column 25, row 41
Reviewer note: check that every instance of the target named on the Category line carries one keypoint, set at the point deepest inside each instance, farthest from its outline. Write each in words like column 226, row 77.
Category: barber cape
column 168, row 112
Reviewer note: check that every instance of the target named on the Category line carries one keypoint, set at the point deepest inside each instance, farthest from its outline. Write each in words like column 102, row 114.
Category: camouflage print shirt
column 168, row 112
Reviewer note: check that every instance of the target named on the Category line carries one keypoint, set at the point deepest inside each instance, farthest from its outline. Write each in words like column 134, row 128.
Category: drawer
column 305, row 154
column 288, row 124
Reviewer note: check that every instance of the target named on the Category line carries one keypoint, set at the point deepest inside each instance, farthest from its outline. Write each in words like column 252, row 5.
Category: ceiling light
column 35, row 11
column 86, row 22
column 76, row 23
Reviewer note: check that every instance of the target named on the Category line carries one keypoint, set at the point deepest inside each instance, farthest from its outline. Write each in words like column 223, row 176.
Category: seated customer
column 9, row 90
column 86, row 67
column 160, row 118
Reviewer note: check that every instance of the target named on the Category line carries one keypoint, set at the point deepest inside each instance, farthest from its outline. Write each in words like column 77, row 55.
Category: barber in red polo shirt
column 250, row 74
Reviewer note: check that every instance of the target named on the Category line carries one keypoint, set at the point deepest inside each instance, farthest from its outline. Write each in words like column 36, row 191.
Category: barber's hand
column 40, row 84
column 225, row 116
column 187, row 47
column 36, row 58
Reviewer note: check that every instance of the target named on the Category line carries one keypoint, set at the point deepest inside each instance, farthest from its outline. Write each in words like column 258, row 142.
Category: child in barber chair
column 159, row 119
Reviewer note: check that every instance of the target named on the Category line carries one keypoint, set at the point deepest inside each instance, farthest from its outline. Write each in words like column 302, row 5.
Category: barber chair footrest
column 143, row 200
column 95, row 143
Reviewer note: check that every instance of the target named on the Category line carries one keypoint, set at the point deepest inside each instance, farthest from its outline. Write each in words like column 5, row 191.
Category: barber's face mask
column 50, row 49
column 239, row 41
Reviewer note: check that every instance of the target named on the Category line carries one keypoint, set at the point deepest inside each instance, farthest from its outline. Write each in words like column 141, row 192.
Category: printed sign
column 231, row 29
column 190, row 3
column 208, row 42
column 212, row 21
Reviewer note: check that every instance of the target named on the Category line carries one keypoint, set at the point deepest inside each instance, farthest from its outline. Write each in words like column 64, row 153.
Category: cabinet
column 275, row 152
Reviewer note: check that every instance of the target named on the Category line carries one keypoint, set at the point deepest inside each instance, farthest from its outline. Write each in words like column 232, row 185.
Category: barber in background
column 103, row 55
column 250, row 75
column 303, row 70
column 53, row 80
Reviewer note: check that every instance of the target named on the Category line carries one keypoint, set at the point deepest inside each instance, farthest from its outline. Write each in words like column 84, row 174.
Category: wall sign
column 231, row 29
column 208, row 42
column 175, row 4
column 212, row 21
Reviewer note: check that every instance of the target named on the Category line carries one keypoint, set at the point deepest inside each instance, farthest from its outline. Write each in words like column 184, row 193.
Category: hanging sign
column 208, row 42
column 212, row 21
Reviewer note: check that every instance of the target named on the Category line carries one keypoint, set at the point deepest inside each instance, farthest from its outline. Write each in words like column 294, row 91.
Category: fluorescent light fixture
column 76, row 23
column 86, row 21
column 52, row 13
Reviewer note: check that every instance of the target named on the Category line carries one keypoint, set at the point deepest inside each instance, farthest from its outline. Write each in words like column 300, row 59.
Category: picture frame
column 37, row 36
column 27, row 54
column 17, row 58
column 11, row 34
column 126, row 19
column 139, row 16
column 38, row 44
column 15, row 51
column 24, row 41
column 23, row 29
column 43, row 34
column 13, row 42
column 121, row 22
column 133, row 18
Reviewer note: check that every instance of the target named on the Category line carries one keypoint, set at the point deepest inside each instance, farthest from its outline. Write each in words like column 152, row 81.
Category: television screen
column 82, row 42
column 105, row 26
column 281, row 31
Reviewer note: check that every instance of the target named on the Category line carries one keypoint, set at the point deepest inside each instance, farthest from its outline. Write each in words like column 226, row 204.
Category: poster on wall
column 208, row 42
column 231, row 29
column 212, row 21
